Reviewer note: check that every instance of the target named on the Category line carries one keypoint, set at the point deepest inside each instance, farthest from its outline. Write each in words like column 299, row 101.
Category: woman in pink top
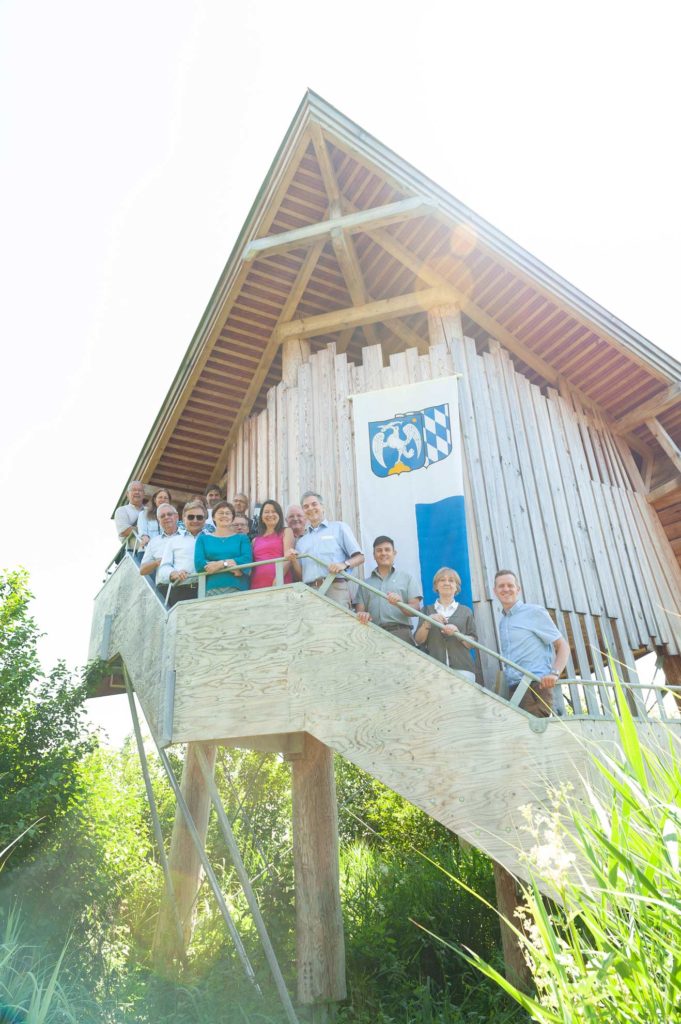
column 274, row 537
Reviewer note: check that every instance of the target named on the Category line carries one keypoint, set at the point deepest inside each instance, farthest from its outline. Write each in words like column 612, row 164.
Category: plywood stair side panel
column 137, row 638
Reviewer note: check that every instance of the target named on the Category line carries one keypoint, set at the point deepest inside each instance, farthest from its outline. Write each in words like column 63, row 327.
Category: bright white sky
column 134, row 137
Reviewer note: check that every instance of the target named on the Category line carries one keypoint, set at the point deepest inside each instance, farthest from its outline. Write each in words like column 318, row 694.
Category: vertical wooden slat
column 594, row 534
column 282, row 487
column 293, row 444
column 272, row 488
column 597, row 700
column 345, row 446
column 561, row 500
column 306, row 430
column 513, row 493
column 525, row 465
column 261, row 491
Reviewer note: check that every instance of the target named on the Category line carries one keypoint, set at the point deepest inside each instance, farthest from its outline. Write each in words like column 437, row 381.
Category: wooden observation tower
column 352, row 274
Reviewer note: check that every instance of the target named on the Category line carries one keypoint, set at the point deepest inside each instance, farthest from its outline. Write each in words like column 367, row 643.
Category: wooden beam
column 665, row 442
column 654, row 407
column 290, row 306
column 371, row 312
column 380, row 216
column 665, row 491
column 326, row 170
column 432, row 277
column 320, row 944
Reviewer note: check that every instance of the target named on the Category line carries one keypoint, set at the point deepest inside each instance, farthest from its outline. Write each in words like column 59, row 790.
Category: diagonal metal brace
column 242, row 875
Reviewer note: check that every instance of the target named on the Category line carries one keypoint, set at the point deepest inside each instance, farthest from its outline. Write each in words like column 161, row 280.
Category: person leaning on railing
column 177, row 560
column 220, row 554
column 446, row 644
column 529, row 637
column 125, row 517
column 332, row 542
column 274, row 538
column 397, row 585
column 153, row 553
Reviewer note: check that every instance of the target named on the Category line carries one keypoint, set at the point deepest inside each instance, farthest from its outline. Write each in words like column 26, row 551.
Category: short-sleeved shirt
column 178, row 554
column 125, row 517
column 154, row 549
column 527, row 634
column 382, row 612
column 330, row 542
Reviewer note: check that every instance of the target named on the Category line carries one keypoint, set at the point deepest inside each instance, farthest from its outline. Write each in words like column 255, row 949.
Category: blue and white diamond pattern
column 437, row 433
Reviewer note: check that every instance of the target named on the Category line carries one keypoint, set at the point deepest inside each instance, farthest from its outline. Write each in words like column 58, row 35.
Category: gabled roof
column 329, row 169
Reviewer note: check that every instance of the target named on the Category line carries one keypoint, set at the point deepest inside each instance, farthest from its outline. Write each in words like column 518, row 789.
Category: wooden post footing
column 516, row 969
column 320, row 946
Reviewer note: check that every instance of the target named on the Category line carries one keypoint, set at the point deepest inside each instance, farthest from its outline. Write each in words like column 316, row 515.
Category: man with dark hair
column 397, row 585
column 240, row 523
column 529, row 637
column 332, row 542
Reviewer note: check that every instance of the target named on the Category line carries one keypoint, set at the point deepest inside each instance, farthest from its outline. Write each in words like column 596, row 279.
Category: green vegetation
column 610, row 950
column 86, row 884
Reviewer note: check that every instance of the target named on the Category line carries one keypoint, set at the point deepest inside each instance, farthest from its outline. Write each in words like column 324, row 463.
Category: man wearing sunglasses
column 177, row 560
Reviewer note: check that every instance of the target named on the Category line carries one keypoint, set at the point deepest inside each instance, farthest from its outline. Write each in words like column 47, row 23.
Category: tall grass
column 610, row 949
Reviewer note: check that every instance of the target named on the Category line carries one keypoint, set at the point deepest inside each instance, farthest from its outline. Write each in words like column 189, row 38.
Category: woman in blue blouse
column 218, row 553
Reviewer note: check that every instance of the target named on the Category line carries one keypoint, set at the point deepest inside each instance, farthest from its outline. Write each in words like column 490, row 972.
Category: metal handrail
column 519, row 690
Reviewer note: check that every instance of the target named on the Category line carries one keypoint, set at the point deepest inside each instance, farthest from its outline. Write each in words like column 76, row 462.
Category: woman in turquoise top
column 215, row 553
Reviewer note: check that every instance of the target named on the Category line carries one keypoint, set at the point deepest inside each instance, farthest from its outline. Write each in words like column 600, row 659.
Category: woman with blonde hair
column 446, row 644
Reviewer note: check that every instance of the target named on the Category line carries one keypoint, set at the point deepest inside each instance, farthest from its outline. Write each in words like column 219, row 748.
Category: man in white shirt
column 126, row 516
column 177, row 560
column 167, row 519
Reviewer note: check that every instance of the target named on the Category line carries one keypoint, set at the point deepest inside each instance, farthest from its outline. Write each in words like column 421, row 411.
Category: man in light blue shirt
column 332, row 542
column 529, row 636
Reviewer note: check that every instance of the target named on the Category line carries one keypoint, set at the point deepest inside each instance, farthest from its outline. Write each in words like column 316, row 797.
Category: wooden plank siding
column 548, row 491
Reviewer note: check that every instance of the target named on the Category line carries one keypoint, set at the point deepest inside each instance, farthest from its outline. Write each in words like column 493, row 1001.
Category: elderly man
column 332, row 542
column 167, row 520
column 177, row 560
column 240, row 523
column 397, row 585
column 126, row 516
column 530, row 638
column 295, row 520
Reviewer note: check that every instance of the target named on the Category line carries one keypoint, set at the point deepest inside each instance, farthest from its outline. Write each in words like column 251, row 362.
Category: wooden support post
column 320, row 945
column 516, row 970
column 444, row 325
column 671, row 666
column 183, row 861
column 294, row 353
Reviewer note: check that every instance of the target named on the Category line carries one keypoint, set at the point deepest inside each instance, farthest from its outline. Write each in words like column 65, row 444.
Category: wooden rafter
column 266, row 359
column 342, row 243
column 655, row 407
column 370, row 312
column 379, row 216
column 665, row 442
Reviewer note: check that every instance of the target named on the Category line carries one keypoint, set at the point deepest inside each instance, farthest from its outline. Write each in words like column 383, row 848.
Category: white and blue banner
column 410, row 478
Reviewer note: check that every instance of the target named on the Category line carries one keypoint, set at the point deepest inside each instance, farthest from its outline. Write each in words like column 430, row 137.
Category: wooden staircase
column 261, row 668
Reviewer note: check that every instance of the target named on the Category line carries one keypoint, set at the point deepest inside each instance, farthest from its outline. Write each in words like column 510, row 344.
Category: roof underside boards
column 550, row 328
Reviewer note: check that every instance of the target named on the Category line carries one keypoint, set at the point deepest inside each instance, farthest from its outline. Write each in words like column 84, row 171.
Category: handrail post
column 278, row 573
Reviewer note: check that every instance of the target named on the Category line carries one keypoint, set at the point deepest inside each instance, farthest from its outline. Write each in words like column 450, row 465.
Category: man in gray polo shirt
column 332, row 542
column 397, row 585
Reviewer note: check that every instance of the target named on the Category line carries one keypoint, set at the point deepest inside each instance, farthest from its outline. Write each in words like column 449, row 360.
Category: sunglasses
column 191, row 517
